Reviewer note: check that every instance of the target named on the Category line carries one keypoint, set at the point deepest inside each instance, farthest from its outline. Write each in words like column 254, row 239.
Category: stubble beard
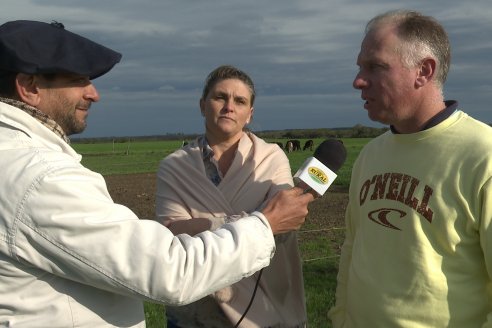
column 68, row 120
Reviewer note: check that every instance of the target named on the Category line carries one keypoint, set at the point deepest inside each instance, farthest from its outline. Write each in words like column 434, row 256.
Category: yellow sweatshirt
column 418, row 248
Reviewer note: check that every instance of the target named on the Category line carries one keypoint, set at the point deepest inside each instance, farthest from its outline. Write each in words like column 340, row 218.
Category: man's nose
column 359, row 82
column 91, row 93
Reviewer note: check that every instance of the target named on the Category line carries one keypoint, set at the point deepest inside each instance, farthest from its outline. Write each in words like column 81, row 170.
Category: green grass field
column 320, row 260
column 144, row 156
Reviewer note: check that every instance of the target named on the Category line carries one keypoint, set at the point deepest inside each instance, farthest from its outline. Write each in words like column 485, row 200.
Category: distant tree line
column 357, row 131
column 167, row 136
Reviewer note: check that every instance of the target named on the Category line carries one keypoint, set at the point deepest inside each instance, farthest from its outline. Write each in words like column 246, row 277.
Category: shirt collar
column 207, row 151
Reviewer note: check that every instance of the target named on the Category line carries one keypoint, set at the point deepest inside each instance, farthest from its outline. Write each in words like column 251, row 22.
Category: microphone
column 318, row 172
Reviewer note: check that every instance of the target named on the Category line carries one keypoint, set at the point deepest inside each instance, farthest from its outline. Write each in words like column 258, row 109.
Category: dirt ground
column 137, row 191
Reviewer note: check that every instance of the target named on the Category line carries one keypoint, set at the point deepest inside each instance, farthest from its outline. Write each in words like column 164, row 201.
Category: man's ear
column 426, row 73
column 27, row 89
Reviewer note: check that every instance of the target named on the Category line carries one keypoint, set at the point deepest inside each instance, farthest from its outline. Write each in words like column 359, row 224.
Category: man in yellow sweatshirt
column 418, row 248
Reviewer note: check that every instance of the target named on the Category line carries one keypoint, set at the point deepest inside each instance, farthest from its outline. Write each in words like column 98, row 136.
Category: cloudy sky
column 300, row 53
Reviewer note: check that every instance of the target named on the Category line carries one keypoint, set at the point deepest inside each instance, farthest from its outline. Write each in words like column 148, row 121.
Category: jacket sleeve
column 67, row 224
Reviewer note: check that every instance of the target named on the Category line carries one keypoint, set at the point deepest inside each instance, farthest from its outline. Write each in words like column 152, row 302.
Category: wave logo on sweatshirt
column 317, row 175
column 382, row 215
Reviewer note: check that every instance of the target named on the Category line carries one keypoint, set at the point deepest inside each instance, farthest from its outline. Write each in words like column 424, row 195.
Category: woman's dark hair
column 228, row 72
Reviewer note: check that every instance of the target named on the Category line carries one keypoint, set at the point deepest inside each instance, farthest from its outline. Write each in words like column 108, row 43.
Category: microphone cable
column 251, row 300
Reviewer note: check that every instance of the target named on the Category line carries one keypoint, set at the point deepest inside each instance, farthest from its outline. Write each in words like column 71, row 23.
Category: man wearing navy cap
column 70, row 256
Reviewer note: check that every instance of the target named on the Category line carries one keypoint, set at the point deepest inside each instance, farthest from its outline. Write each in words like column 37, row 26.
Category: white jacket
column 71, row 257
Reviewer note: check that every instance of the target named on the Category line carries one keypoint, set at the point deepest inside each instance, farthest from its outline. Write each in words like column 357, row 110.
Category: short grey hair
column 421, row 36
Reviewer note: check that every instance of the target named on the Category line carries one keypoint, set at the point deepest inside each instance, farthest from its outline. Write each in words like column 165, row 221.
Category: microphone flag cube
column 316, row 175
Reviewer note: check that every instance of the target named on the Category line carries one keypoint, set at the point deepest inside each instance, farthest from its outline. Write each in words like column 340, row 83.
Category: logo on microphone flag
column 317, row 175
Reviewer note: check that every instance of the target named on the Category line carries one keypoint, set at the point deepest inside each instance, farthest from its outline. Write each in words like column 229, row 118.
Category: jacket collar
column 38, row 115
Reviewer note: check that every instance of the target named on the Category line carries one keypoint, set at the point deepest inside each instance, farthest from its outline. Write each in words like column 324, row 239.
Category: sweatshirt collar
column 451, row 107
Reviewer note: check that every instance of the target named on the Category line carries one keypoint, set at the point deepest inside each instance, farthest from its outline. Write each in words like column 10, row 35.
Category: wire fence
column 335, row 256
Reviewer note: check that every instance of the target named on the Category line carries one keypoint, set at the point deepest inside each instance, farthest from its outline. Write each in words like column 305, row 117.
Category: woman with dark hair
column 227, row 171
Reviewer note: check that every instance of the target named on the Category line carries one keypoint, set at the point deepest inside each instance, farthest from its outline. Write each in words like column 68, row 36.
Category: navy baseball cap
column 42, row 48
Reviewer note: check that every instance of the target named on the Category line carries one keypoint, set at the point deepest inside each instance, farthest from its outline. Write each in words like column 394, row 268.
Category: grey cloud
column 301, row 55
